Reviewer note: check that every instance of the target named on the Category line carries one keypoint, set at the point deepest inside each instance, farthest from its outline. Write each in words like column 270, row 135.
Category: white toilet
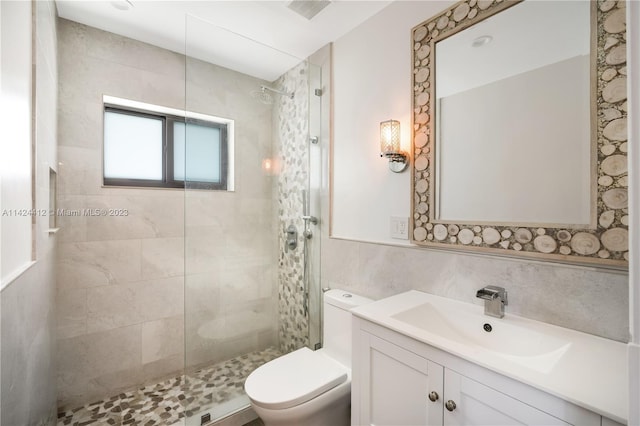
column 305, row 387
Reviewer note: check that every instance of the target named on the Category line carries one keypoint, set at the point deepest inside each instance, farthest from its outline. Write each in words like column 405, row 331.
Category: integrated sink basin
column 574, row 366
column 506, row 338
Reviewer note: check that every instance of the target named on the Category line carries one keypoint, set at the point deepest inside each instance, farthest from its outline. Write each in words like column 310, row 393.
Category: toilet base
column 332, row 408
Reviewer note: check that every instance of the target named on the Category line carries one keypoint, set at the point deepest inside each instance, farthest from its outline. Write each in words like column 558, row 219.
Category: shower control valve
column 291, row 242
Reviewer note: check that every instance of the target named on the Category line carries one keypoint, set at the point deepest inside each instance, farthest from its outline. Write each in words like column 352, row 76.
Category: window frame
column 168, row 179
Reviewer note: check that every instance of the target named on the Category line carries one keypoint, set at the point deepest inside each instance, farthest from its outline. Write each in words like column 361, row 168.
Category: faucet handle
column 492, row 292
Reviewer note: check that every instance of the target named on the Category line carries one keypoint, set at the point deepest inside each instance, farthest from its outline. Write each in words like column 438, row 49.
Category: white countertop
column 588, row 371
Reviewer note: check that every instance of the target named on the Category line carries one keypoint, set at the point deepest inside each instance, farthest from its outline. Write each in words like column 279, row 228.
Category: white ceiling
column 259, row 38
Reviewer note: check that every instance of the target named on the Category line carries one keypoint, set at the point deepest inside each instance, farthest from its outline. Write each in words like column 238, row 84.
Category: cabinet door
column 396, row 384
column 477, row 404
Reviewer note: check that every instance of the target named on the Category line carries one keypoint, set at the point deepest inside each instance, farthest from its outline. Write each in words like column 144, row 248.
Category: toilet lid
column 294, row 378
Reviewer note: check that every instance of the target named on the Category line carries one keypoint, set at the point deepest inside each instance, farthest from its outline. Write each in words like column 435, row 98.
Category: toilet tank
column 337, row 323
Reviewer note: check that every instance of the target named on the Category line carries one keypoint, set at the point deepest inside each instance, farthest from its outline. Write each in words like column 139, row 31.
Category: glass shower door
column 246, row 158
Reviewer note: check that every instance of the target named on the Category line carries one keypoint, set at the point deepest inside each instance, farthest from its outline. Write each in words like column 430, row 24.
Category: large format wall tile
column 163, row 338
column 584, row 299
column 87, row 362
column 95, row 263
column 124, row 276
column 162, row 257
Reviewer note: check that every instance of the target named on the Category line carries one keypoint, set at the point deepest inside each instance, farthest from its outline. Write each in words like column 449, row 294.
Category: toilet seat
column 293, row 379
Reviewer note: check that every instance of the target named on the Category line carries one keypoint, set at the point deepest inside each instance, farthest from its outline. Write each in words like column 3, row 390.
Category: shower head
column 262, row 96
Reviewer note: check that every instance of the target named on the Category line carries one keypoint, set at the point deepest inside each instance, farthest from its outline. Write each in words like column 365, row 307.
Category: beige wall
column 28, row 303
column 371, row 83
column 121, row 280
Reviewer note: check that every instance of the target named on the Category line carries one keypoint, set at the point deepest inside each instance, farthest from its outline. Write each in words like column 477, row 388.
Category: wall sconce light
column 390, row 145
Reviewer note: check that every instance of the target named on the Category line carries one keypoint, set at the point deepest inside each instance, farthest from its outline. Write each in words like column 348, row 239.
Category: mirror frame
column 605, row 241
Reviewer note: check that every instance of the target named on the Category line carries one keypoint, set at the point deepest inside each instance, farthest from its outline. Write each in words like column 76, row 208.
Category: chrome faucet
column 495, row 298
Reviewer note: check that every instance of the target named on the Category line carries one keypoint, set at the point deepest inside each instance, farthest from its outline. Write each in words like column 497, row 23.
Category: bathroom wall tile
column 40, row 380
column 112, row 383
column 112, row 306
column 88, row 41
column 145, row 217
column 166, row 367
column 71, row 315
column 238, row 345
column 96, row 357
column 163, row 338
column 215, row 90
column 79, row 171
column 219, row 336
column 90, row 264
column 291, row 142
column 72, row 387
column 202, row 297
column 73, row 228
column 93, row 76
column 268, row 338
column 162, row 257
column 14, row 349
column 204, row 248
column 584, row 299
column 160, row 298
column 247, row 283
column 204, row 209
column 80, row 118
column 211, row 351
column 341, row 256
column 131, row 270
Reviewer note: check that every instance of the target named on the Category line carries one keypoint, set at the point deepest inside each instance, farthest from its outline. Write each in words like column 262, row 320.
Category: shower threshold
column 212, row 389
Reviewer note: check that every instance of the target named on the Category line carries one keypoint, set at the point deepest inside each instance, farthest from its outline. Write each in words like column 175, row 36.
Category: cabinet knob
column 450, row 405
column 433, row 396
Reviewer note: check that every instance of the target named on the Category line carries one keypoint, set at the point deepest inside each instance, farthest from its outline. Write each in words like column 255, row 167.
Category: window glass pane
column 201, row 155
column 178, row 150
column 132, row 146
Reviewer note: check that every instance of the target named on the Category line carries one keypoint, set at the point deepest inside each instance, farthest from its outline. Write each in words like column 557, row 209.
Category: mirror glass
column 513, row 118
column 520, row 130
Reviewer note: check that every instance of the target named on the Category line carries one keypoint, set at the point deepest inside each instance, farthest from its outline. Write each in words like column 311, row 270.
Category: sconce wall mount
column 390, row 146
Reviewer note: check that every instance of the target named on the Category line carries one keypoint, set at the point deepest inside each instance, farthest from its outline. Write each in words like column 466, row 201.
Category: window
column 145, row 148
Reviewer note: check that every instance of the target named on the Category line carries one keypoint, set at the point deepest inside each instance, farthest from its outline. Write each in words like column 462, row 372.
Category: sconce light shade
column 390, row 145
column 389, row 137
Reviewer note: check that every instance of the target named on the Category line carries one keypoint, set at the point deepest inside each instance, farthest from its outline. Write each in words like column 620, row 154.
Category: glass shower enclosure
column 252, row 222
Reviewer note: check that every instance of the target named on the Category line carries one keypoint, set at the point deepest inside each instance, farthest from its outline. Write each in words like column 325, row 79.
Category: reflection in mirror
column 513, row 133
column 520, row 142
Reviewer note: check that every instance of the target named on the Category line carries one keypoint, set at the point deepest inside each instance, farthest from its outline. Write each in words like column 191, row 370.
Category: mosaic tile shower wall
column 291, row 140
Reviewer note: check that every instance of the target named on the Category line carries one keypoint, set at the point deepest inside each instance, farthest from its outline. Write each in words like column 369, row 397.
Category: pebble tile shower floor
column 165, row 403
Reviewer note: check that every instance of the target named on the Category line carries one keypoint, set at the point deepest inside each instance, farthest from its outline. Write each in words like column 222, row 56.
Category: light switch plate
column 400, row 227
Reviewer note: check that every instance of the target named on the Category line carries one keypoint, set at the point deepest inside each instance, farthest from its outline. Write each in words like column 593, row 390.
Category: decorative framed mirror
column 520, row 130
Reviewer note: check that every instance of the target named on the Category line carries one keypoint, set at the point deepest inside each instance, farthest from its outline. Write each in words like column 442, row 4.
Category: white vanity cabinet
column 396, row 390
column 400, row 381
column 477, row 404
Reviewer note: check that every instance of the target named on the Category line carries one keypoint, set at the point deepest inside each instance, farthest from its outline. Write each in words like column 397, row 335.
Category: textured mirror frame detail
column 606, row 243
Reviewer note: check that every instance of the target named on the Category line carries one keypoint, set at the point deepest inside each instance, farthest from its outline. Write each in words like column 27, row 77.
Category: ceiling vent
column 308, row 8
